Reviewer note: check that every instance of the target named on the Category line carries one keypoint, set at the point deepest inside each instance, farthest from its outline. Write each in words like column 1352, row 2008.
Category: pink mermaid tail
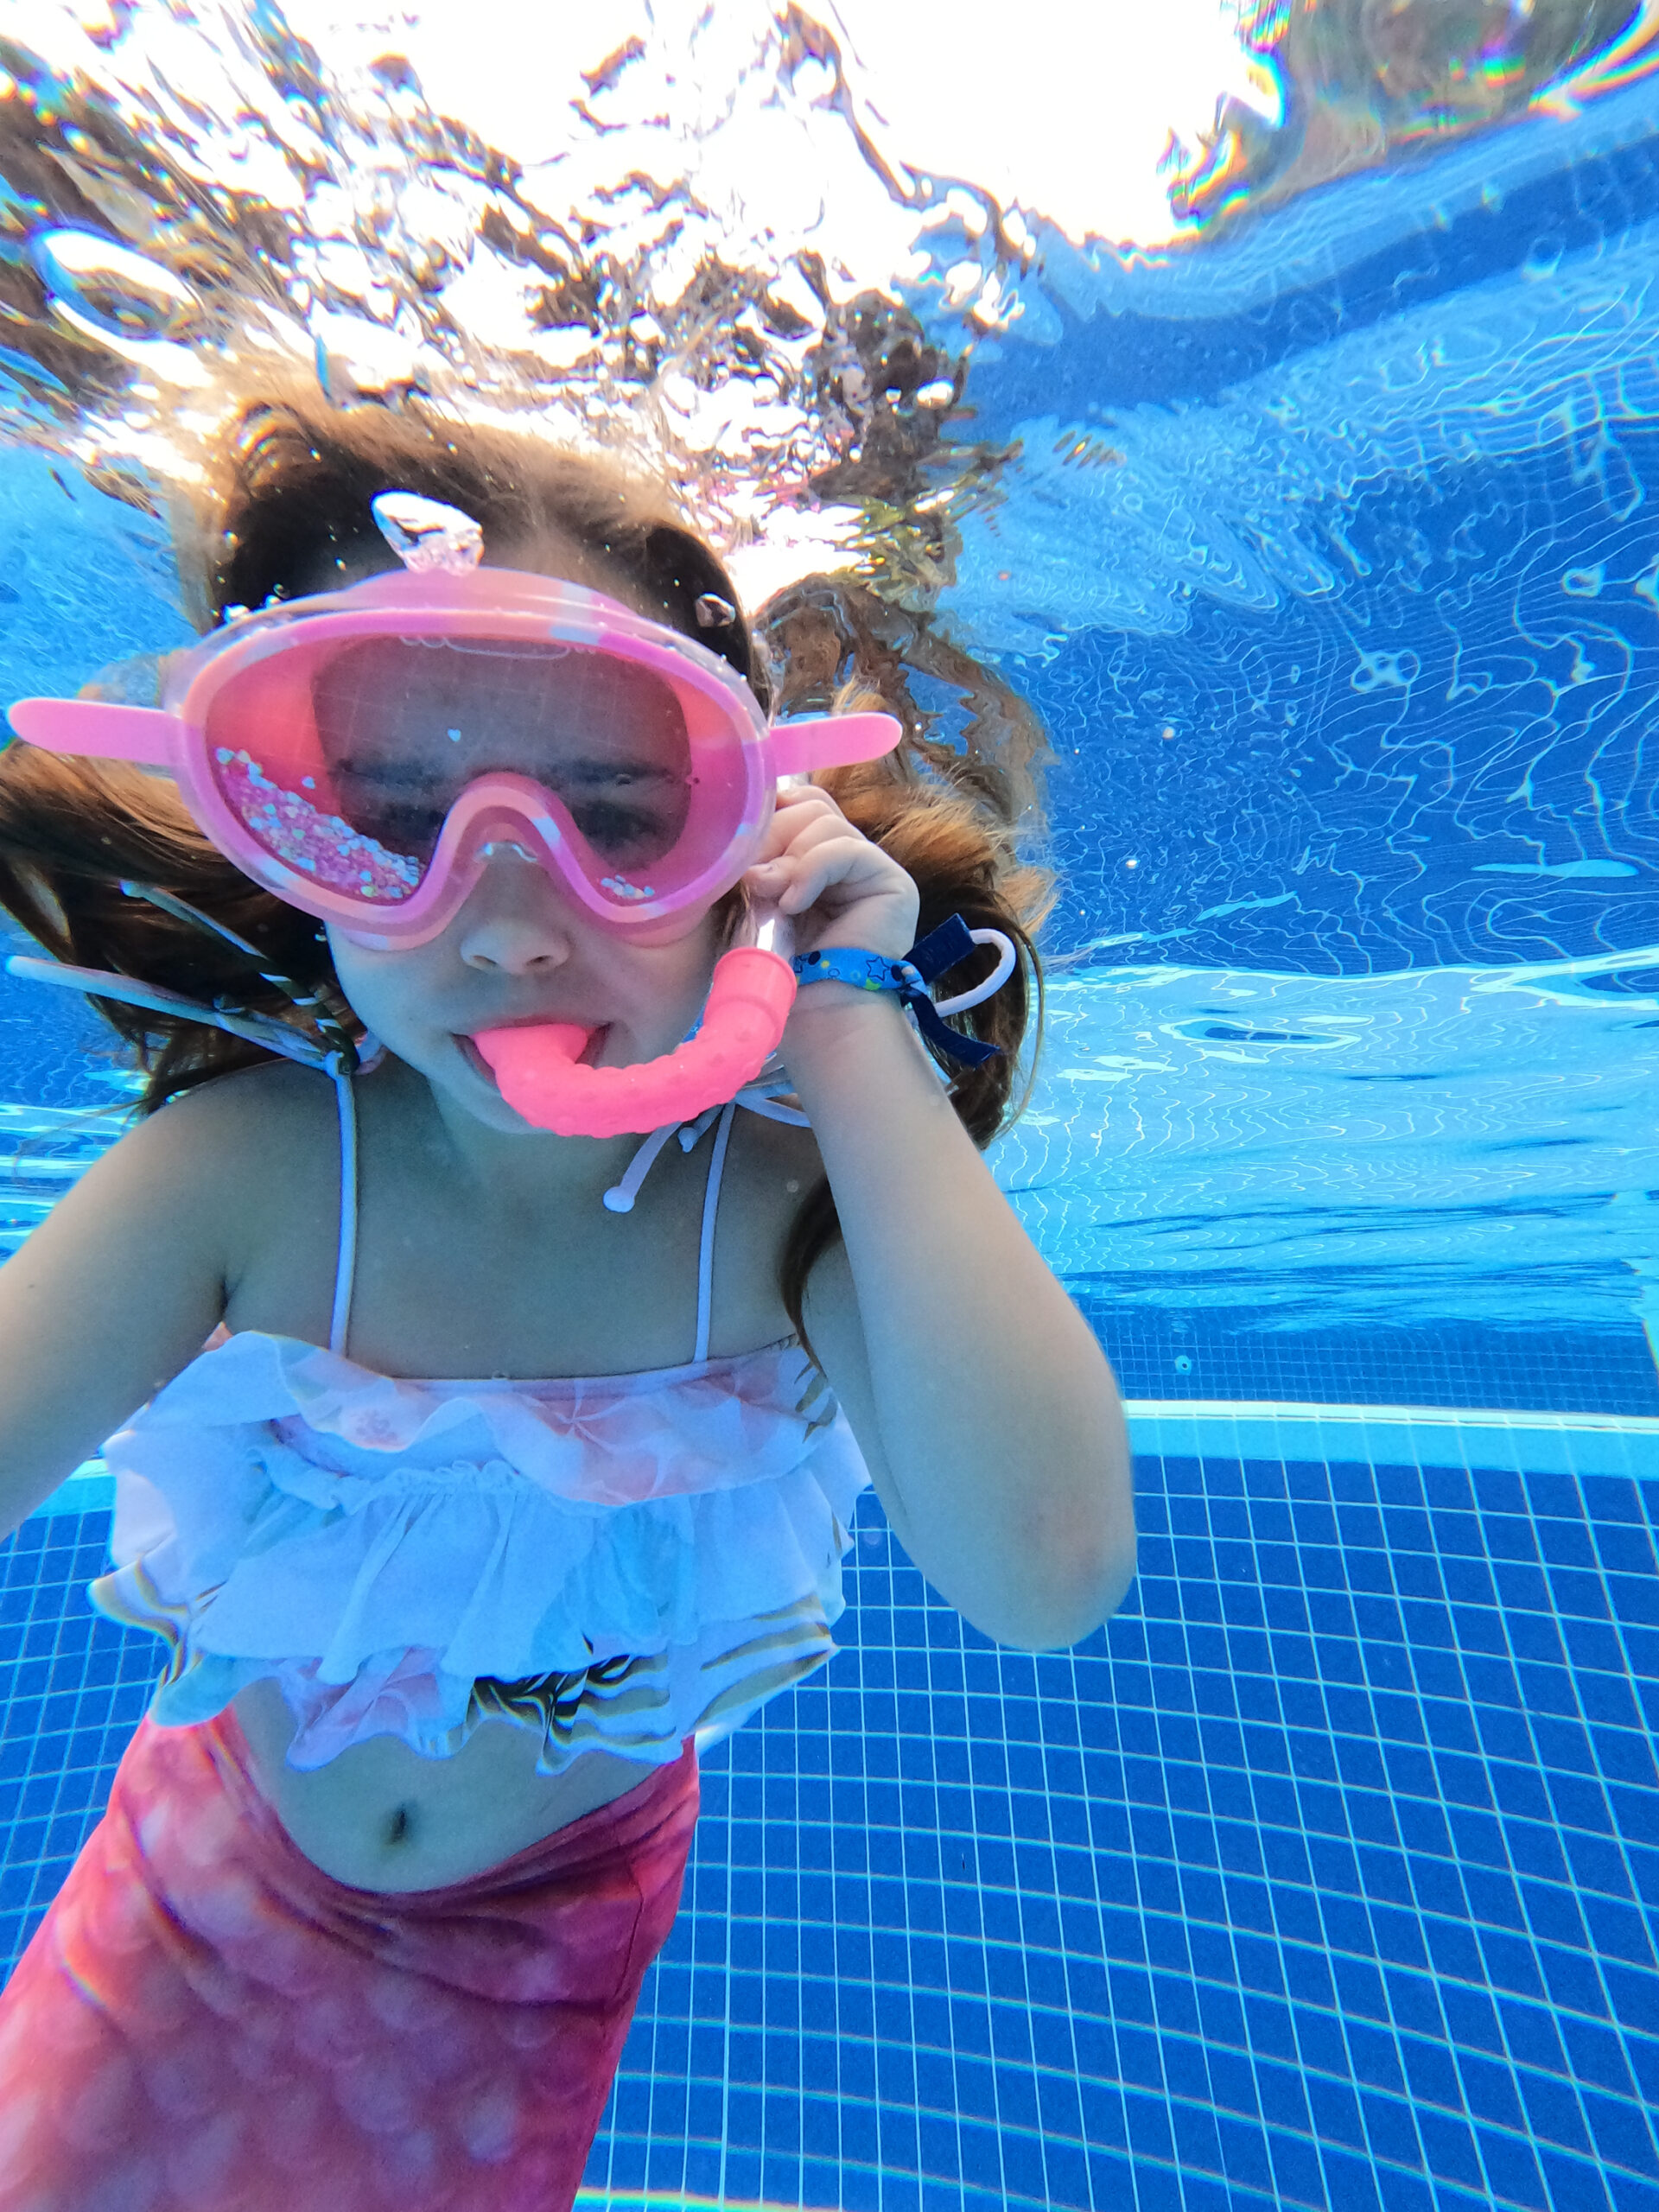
column 206, row 2022
column 536, row 1066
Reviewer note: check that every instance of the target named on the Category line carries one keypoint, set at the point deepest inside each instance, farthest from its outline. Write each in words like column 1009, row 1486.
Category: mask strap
column 337, row 1039
column 255, row 1028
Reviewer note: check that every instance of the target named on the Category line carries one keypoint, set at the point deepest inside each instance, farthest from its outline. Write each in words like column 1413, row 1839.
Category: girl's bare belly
column 381, row 1817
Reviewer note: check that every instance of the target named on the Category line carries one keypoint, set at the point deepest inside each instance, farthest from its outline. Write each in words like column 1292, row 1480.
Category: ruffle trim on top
column 624, row 1562
column 639, row 1707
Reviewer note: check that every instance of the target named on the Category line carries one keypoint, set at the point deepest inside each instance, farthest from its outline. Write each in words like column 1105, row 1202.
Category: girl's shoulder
column 250, row 1110
column 237, row 1141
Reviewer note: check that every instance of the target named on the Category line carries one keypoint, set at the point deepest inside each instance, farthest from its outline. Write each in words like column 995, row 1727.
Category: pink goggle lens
column 342, row 761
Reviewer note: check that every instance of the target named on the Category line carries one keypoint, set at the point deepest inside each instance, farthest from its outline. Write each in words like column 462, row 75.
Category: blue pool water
column 1327, row 1873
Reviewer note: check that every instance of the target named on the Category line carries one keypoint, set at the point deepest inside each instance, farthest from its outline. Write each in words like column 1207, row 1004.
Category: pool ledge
column 1437, row 1436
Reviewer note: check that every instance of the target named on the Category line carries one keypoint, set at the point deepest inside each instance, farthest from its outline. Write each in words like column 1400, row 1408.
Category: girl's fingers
column 796, row 812
column 818, row 831
column 791, row 882
column 805, row 831
column 804, row 795
column 816, row 864
column 841, row 861
column 807, row 821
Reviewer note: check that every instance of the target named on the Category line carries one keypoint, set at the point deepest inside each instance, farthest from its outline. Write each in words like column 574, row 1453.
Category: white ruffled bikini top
column 615, row 1561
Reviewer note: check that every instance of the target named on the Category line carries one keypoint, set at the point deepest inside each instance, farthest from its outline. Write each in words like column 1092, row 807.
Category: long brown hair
column 283, row 511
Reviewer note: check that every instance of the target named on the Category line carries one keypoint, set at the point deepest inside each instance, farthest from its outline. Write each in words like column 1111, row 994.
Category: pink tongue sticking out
column 528, row 1061
column 538, row 1068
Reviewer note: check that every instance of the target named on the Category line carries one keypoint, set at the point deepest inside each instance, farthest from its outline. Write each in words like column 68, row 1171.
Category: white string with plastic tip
column 620, row 1196
column 754, row 1099
column 693, row 1131
column 765, row 1096
column 773, row 1109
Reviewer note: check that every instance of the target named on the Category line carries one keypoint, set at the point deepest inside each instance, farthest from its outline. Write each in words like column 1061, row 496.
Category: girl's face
column 407, row 724
column 521, row 951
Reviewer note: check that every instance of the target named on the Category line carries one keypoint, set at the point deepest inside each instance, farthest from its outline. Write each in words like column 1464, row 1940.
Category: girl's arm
column 110, row 1297
column 987, row 1411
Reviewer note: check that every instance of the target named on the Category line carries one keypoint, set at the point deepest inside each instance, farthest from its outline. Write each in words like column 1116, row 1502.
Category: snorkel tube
column 537, row 1067
column 539, row 1070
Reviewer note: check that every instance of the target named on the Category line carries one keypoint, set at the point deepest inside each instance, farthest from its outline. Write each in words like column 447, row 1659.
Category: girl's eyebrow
column 398, row 770
column 602, row 768
column 392, row 771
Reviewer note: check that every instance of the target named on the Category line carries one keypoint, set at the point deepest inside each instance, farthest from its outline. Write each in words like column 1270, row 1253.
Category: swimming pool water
column 1327, row 1873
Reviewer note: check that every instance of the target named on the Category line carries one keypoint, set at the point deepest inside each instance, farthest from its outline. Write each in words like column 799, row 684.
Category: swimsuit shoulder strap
column 706, row 1242
column 345, row 1261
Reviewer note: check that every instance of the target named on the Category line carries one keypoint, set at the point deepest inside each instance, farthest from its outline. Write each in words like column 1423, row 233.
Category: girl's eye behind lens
column 408, row 825
column 620, row 834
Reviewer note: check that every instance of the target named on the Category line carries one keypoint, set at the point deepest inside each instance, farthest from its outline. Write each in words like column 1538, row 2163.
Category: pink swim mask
column 364, row 754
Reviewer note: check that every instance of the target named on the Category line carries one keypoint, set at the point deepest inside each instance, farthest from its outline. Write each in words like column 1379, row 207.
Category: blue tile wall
column 75, row 1686
column 1326, row 1875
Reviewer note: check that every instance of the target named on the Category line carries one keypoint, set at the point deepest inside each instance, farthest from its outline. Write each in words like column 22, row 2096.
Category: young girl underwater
column 478, row 803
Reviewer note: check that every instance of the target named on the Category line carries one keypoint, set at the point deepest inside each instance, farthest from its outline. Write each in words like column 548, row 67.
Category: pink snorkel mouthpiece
column 536, row 1066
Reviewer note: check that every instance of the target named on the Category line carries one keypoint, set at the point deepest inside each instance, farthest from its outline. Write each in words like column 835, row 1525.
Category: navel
column 399, row 1827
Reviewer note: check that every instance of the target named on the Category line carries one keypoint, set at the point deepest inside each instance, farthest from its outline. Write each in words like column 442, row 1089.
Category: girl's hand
column 833, row 884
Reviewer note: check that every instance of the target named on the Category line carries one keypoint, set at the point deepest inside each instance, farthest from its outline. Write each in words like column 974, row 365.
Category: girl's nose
column 515, row 920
